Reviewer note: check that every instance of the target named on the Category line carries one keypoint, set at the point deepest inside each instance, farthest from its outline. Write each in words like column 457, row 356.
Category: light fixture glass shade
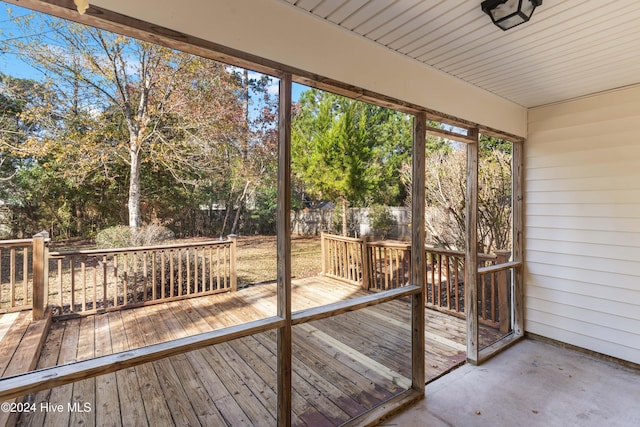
column 509, row 13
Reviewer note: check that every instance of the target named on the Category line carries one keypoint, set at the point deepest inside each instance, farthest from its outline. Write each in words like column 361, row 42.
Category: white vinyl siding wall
column 582, row 224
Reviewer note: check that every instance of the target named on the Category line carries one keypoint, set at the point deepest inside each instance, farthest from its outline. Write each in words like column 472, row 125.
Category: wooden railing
column 90, row 281
column 387, row 265
column 494, row 292
column 16, row 263
column 445, row 273
column 342, row 258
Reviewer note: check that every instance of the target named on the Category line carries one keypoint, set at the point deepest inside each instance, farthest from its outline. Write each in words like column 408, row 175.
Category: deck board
column 131, row 389
column 342, row 365
column 107, row 401
column 21, row 341
column 62, row 395
column 14, row 327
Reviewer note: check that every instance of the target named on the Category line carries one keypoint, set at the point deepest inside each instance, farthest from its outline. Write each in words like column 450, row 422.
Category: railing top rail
column 141, row 248
column 393, row 245
column 43, row 379
column 499, row 267
column 15, row 243
column 399, row 245
column 341, row 238
column 451, row 252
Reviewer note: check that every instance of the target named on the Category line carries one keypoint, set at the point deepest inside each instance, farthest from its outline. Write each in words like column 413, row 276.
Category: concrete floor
column 530, row 384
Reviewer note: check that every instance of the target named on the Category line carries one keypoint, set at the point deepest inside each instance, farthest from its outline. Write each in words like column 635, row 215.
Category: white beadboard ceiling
column 569, row 48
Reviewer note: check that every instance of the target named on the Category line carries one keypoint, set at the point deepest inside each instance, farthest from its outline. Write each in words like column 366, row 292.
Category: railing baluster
column 125, row 282
column 154, row 276
column 188, row 254
column 83, row 275
column 25, row 274
column 134, row 274
column 195, row 270
column 104, row 283
column 162, row 275
column 180, row 258
column 226, row 267
column 432, row 257
column 60, row 287
column 218, row 267
column 95, row 283
column 12, row 276
column 456, row 278
column 210, row 268
column 171, row 274
column 145, row 276
column 204, row 270
column 115, row 277
column 72, row 272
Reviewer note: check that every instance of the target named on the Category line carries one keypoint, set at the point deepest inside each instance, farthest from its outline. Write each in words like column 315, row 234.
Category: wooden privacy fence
column 378, row 266
column 91, row 281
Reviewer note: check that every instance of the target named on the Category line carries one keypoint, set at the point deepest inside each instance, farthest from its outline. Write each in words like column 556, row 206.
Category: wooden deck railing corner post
column 232, row 262
column 40, row 260
column 365, row 263
column 503, row 294
column 323, row 252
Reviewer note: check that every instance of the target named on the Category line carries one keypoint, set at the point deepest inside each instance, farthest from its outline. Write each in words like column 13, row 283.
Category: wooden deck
column 20, row 344
column 342, row 365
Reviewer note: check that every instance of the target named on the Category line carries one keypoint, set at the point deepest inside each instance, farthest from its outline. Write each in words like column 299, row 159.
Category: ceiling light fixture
column 509, row 13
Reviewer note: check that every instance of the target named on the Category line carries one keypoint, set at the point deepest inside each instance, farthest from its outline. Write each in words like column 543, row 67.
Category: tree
column 495, row 194
column 330, row 151
column 392, row 135
column 11, row 132
column 120, row 100
column 347, row 151
column 446, row 189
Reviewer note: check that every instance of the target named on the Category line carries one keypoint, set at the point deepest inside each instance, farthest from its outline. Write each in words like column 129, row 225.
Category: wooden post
column 283, row 228
column 518, row 238
column 418, row 252
column 233, row 276
column 365, row 263
column 471, row 250
column 40, row 274
column 504, row 312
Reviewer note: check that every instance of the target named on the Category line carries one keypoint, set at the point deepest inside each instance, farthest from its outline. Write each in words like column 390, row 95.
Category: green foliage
column 381, row 220
column 349, row 152
column 262, row 217
column 490, row 144
column 329, row 150
column 122, row 108
column 115, row 119
column 121, row 236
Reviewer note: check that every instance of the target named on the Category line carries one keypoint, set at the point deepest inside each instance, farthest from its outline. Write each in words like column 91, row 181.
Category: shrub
column 381, row 221
column 151, row 235
column 114, row 237
column 120, row 236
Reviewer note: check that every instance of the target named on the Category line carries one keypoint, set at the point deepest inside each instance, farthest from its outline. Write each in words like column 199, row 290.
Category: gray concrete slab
column 532, row 383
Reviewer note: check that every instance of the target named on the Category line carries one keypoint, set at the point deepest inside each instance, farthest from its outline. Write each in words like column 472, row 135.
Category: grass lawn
column 256, row 258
